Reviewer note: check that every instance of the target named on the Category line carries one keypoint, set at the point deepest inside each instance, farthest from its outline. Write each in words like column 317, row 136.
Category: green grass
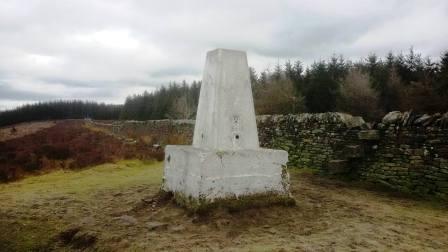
column 25, row 227
column 297, row 170
column 83, row 182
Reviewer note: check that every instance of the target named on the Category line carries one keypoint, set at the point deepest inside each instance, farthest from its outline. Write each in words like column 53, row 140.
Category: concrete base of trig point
column 203, row 178
column 225, row 166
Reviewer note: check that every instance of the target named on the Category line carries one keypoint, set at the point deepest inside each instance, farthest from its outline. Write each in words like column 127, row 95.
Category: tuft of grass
column 298, row 170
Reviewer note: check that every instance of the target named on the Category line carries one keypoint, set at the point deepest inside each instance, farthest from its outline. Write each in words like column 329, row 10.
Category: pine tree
column 289, row 70
column 277, row 74
column 253, row 76
column 264, row 77
column 442, row 75
column 321, row 89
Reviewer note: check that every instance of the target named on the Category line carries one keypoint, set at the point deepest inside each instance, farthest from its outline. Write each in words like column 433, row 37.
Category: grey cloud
column 173, row 72
column 106, row 50
column 67, row 82
column 7, row 92
column 92, row 84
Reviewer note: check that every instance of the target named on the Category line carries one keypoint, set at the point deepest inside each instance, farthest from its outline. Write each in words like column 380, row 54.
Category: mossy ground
column 119, row 205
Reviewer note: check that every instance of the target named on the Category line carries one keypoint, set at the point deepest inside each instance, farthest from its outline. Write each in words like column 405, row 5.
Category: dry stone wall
column 406, row 151
column 153, row 132
column 312, row 140
column 410, row 155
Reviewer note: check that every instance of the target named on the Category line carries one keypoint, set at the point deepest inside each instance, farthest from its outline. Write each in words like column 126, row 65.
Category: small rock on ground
column 155, row 225
column 179, row 228
column 127, row 220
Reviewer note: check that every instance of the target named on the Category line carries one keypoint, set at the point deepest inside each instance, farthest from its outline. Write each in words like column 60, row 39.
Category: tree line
column 54, row 110
column 369, row 87
column 175, row 101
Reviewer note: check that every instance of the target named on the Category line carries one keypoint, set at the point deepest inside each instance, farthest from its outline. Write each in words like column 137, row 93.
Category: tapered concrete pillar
column 226, row 117
column 225, row 162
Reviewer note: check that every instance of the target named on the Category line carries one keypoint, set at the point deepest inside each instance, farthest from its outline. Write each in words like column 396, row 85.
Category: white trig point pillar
column 225, row 162
column 226, row 117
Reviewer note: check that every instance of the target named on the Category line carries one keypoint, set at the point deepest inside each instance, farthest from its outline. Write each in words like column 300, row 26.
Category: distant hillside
column 67, row 144
column 55, row 110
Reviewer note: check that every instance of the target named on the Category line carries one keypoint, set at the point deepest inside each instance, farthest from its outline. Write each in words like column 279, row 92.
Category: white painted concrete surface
column 225, row 159
column 209, row 174
column 226, row 117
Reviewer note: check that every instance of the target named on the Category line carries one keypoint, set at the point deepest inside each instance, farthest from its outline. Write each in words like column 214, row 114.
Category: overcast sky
column 104, row 50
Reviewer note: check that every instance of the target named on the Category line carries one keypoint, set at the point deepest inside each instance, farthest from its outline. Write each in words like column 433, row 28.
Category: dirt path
column 115, row 208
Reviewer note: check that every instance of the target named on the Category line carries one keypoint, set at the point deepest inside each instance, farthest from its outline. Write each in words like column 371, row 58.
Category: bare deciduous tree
column 278, row 97
column 357, row 96
column 182, row 108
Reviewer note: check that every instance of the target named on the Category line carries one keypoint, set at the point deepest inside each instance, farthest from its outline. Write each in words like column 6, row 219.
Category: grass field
column 35, row 209
column 115, row 207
